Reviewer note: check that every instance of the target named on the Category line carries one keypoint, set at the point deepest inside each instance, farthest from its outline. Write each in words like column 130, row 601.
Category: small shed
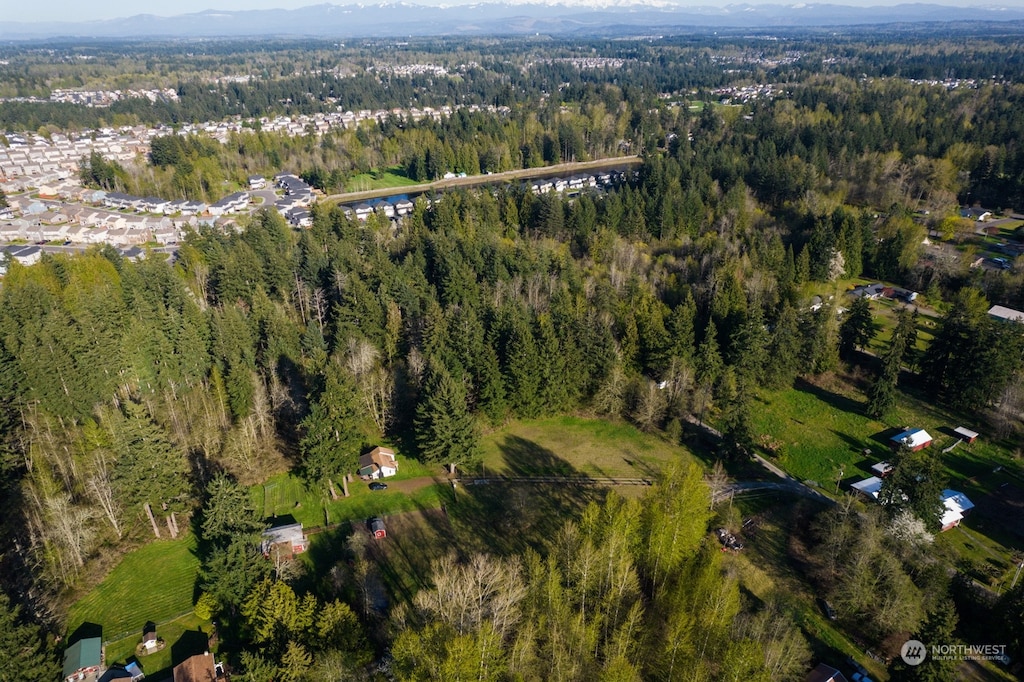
column 966, row 434
column 149, row 638
column 377, row 528
column 882, row 469
column 290, row 538
column 915, row 439
column 869, row 487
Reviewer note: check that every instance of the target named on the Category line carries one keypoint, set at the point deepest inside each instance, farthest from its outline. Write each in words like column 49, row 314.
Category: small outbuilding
column 377, row 528
column 882, row 469
column 955, row 507
column 290, row 539
column 1001, row 312
column 965, row 434
column 869, row 487
column 915, row 439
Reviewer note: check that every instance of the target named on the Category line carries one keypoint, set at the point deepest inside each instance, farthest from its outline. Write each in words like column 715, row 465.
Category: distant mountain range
column 607, row 17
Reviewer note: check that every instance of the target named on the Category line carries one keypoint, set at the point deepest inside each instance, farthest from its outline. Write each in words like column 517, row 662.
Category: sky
column 77, row 10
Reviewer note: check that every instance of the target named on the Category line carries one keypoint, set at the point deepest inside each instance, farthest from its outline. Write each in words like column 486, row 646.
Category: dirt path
column 411, row 485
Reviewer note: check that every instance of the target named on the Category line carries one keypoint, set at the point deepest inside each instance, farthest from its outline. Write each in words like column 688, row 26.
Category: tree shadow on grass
column 884, row 437
column 415, row 541
column 86, row 630
column 506, row 518
column 524, row 457
column 835, row 400
column 190, row 643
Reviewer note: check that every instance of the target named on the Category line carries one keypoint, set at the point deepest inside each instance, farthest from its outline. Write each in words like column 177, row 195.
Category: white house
column 955, row 507
column 378, row 463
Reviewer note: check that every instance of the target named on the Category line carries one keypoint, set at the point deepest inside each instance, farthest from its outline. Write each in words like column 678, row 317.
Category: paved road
column 477, row 180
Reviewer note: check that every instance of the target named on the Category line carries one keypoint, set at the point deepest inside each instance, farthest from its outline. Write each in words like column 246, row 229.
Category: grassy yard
column 822, row 428
column 153, row 583
column 380, row 179
column 185, row 636
column 286, row 496
column 577, row 446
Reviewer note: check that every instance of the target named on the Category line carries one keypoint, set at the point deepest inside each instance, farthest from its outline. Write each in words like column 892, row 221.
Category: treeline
column 633, row 590
column 196, row 167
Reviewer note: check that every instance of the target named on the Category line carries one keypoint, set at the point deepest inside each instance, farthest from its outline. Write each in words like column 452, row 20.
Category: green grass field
column 185, row 636
column 153, row 583
column 823, row 429
column 286, row 495
column 392, row 177
column 572, row 445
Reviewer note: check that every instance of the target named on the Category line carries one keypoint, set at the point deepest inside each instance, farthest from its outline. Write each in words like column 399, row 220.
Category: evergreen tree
column 24, row 653
column 857, row 328
column 149, row 467
column 681, row 329
column 882, row 393
column 446, row 432
column 973, row 356
column 228, row 511
column 782, row 363
column 916, row 483
column 938, row 630
column 331, row 432
column 737, row 428
column 709, row 366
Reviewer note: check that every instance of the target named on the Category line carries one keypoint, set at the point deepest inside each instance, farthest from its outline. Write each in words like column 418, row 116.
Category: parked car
column 377, row 485
column 829, row 611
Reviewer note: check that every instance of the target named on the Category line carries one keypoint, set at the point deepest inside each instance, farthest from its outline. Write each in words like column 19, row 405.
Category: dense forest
column 678, row 297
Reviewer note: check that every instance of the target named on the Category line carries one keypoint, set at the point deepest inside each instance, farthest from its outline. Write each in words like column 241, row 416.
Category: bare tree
column 1009, row 410
column 100, row 486
column 59, row 529
column 611, row 396
column 717, row 480
column 377, row 389
column 361, row 357
column 467, row 595
column 650, row 406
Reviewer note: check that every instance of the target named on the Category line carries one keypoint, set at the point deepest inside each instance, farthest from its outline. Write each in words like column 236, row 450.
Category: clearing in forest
column 574, row 446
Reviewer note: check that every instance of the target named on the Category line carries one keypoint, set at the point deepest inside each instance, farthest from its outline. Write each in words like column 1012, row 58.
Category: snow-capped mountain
column 581, row 17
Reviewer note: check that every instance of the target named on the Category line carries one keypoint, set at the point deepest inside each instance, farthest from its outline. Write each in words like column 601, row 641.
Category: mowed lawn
column 824, row 431
column 286, row 496
column 377, row 180
column 152, row 583
column 577, row 446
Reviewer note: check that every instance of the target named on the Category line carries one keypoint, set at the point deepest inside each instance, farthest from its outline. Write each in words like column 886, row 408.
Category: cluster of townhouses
column 294, row 205
column 320, row 123
column 51, row 165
